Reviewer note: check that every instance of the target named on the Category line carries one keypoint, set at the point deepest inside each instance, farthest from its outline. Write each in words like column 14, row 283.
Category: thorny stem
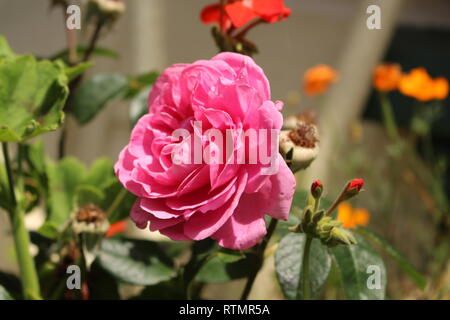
column 30, row 282
column 260, row 256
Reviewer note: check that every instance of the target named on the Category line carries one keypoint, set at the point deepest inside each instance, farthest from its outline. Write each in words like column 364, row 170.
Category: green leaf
column 49, row 230
column 354, row 263
column 218, row 270
column 104, row 287
column 85, row 194
column 79, row 69
column 100, row 173
column 113, row 191
column 32, row 96
column 64, row 178
column 288, row 264
column 139, row 83
column 5, row 50
column 401, row 261
column 4, row 295
column 136, row 262
column 98, row 51
column 139, row 106
column 95, row 93
column 230, row 256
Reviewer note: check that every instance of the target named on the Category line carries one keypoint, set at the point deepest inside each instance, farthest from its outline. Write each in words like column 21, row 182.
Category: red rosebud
column 355, row 183
column 115, row 228
column 316, row 189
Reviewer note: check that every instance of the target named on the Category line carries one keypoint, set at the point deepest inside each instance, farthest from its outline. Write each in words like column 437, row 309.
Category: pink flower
column 227, row 200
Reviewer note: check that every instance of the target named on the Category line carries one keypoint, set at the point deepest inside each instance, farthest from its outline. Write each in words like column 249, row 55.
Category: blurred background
column 153, row 34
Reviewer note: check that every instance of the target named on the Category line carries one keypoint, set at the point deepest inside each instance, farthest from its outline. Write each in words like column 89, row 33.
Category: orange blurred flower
column 440, row 88
column 419, row 85
column 386, row 77
column 352, row 217
column 318, row 78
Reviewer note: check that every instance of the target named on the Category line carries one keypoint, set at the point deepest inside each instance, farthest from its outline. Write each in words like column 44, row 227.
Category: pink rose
column 225, row 200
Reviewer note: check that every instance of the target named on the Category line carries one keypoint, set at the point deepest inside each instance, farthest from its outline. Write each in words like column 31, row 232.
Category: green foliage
column 4, row 295
column 32, row 96
column 64, row 178
column 139, row 83
column 5, row 50
column 139, row 106
column 225, row 266
column 401, row 261
column 353, row 262
column 136, row 261
column 288, row 265
column 71, row 185
column 95, row 93
column 78, row 70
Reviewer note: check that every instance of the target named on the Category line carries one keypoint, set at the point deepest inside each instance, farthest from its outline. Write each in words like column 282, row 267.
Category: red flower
column 240, row 12
column 117, row 227
column 316, row 189
column 355, row 184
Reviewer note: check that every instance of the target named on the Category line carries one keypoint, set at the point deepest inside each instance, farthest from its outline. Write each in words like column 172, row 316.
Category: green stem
column 388, row 117
column 260, row 256
column 305, row 269
column 30, row 282
column 116, row 203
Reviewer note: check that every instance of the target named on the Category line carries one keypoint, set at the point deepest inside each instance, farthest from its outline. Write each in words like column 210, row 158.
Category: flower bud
column 306, row 116
column 90, row 219
column 341, row 236
column 352, row 189
column 299, row 147
column 106, row 10
column 316, row 189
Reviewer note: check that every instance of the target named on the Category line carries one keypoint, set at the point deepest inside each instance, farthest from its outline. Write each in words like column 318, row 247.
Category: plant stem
column 73, row 86
column 305, row 269
column 260, row 256
column 388, row 117
column 30, row 282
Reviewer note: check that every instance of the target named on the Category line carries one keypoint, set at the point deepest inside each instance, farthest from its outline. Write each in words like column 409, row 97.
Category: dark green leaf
column 32, row 97
column 288, row 264
column 102, row 286
column 114, row 191
column 95, row 93
column 4, row 295
column 140, row 82
column 136, row 262
column 217, row 270
column 356, row 264
column 139, row 106
column 402, row 262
